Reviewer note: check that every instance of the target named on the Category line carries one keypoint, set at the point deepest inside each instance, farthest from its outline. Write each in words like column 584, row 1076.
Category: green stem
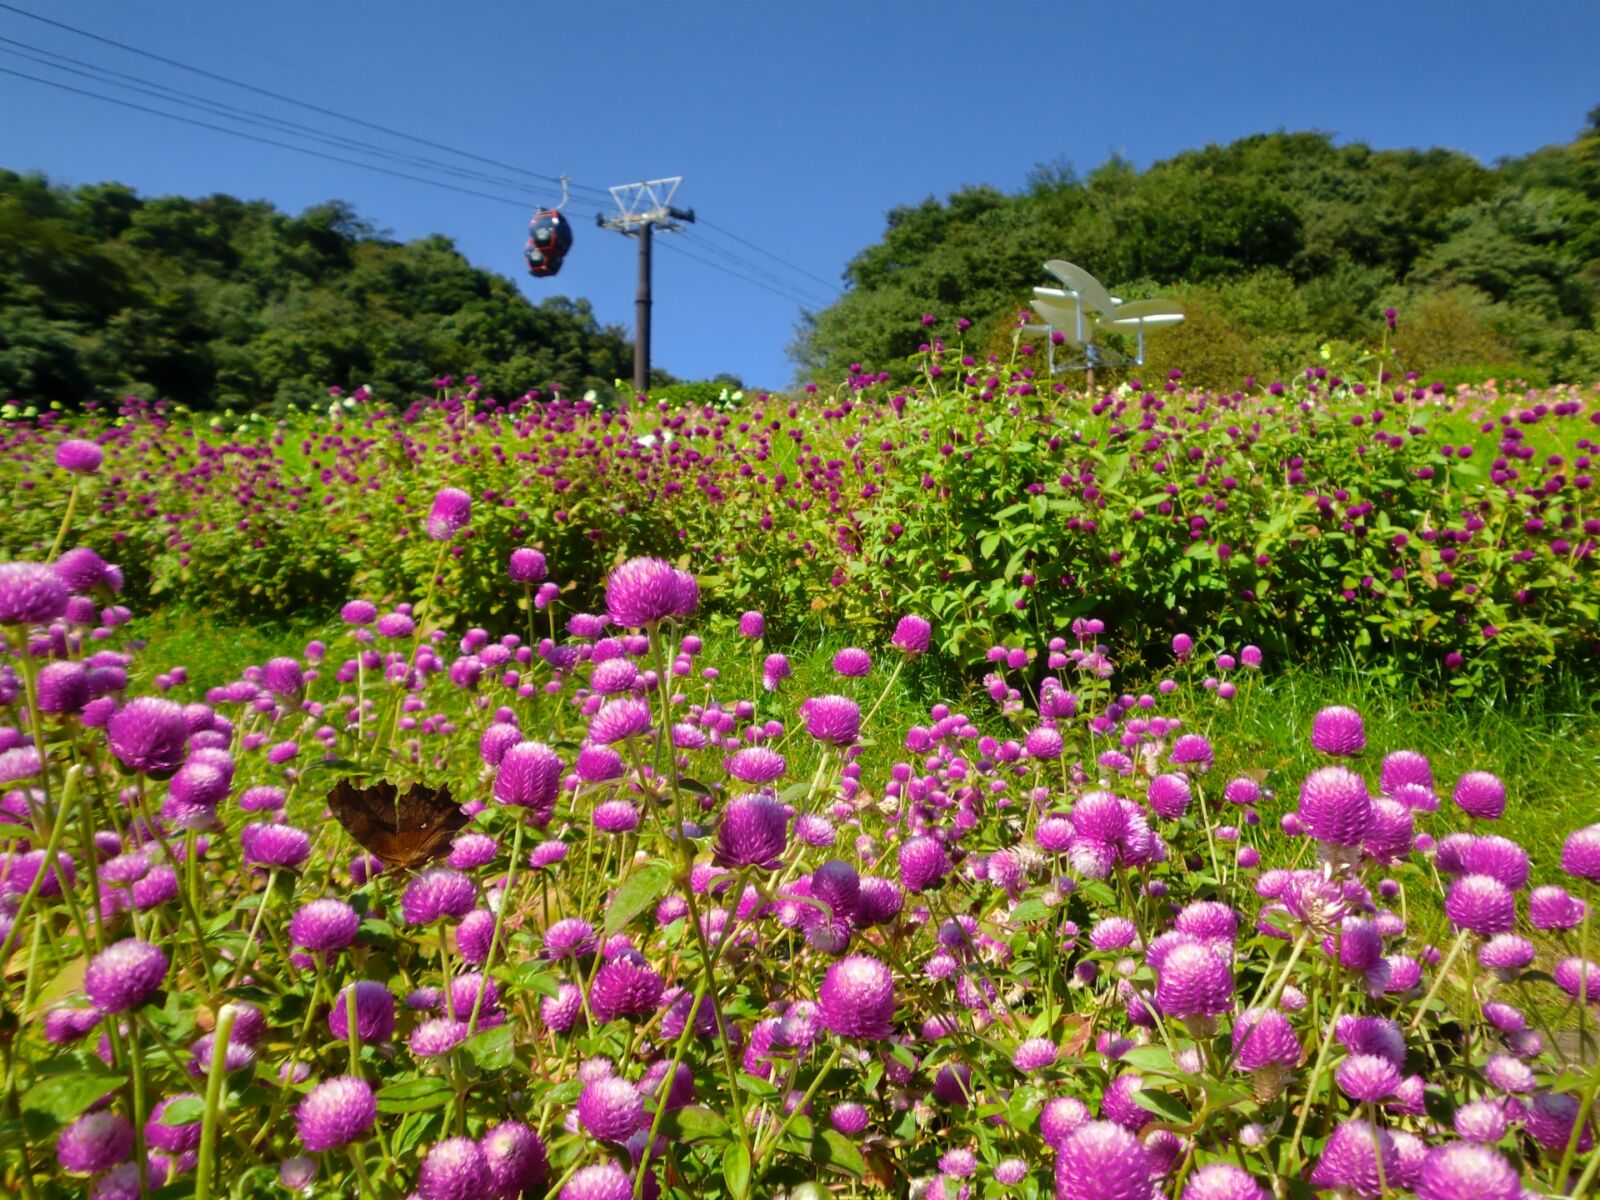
column 66, row 521
column 215, row 1101
column 1438, row 979
column 765, row 1155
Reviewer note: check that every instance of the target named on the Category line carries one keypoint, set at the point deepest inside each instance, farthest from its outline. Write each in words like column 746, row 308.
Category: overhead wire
column 750, row 279
column 751, row 272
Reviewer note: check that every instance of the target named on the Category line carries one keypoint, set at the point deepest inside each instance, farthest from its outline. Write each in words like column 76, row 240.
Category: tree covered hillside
column 1277, row 243
column 220, row 301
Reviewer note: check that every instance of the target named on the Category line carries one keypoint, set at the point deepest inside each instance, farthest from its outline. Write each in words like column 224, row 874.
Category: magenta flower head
column 604, row 1182
column 124, row 975
column 455, row 1169
column 517, row 1159
column 529, row 776
column 1100, row 1160
column 752, row 625
column 95, row 1142
column 912, row 636
column 79, row 456
column 359, row 612
column 1182, row 645
column 1350, row 1160
column 275, row 846
column 175, row 1139
column 335, row 1113
column 1338, row 730
column 642, row 592
column 1580, row 853
column 1367, row 1077
column 756, row 764
column 626, row 986
column 150, row 736
column 619, row 720
column 437, row 892
column 833, row 719
column 754, row 832
column 610, row 1109
column 1402, row 768
column 923, row 863
column 283, row 677
column 856, row 999
column 30, row 594
column 1461, row 1170
column 1481, row 904
column 82, row 570
column 324, row 925
column 1554, row 907
column 374, row 1005
column 527, row 565
column 63, row 687
column 1192, row 749
column 1195, row 983
column 1168, row 795
column 1482, row 795
column 1335, row 806
column 852, row 662
column 1223, row 1181
column 1578, row 978
column 450, row 514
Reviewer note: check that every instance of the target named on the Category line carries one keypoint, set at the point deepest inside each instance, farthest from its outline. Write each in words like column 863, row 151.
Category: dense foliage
column 682, row 944
column 1417, row 530
column 220, row 302
column 1276, row 243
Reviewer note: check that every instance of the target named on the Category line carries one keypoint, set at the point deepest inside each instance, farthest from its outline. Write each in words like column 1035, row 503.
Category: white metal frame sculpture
column 1081, row 309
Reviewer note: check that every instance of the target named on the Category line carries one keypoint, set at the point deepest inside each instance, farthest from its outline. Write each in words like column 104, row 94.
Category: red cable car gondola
column 549, row 239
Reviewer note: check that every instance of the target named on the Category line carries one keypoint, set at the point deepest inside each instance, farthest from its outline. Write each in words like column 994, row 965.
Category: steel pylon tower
column 641, row 208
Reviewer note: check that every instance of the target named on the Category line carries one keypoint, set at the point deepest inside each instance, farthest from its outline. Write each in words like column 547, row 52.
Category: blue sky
column 796, row 126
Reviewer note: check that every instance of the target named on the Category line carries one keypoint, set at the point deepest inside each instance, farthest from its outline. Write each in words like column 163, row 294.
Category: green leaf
column 415, row 1095
column 1028, row 910
column 642, row 889
column 1149, row 1058
column 186, row 1111
column 492, row 1049
column 1163, row 1104
column 736, row 1170
column 535, row 978
column 694, row 1124
column 835, row 1150
column 62, row 1097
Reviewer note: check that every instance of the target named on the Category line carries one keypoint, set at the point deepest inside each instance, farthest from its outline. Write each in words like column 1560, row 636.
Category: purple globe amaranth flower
column 324, row 925
column 79, row 456
column 1553, row 907
column 450, row 514
column 610, row 1109
column 774, row 670
column 63, row 687
column 1484, row 1121
column 1035, row 1054
column 626, row 986
column 437, row 1037
column 1403, row 768
column 174, row 1139
column 471, row 850
column 615, row 816
column 1043, row 742
column 149, row 735
column 1059, row 1117
column 1100, row 1160
column 124, row 975
column 619, row 720
column 435, row 893
column 1461, row 1170
column 358, row 612
column 476, row 936
column 95, row 1142
column 852, row 662
column 856, row 999
column 396, row 625
column 1194, row 982
column 82, row 570
column 756, row 764
column 1169, row 795
column 598, row 764
column 1335, row 806
column 1578, row 978
column 1338, row 730
column 612, row 676
column 832, row 719
column 529, row 776
column 923, row 863
column 284, row 677
column 605, row 1182
column 912, row 636
column 1481, row 904
column 374, row 1005
column 753, row 832
column 527, row 565
column 879, row 903
column 1192, row 748
column 1506, row 954
column 1223, row 1181
column 30, row 594
column 1482, row 795
column 518, row 1161
column 454, row 1169
column 1367, row 1077
column 335, row 1113
column 275, row 846
column 642, row 592
column 752, row 625
column 1350, row 1159
column 1580, row 853
column 849, row 1118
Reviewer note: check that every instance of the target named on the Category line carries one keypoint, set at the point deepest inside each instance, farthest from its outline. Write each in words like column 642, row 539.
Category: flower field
column 547, row 872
